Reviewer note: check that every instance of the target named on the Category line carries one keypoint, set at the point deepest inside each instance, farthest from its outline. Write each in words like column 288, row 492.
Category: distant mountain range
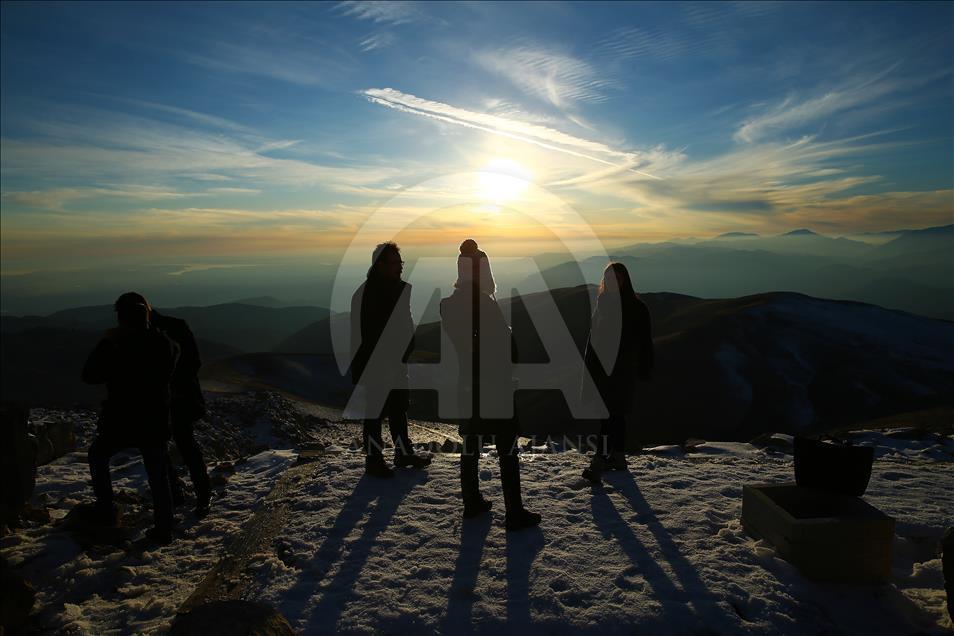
column 913, row 272
column 727, row 368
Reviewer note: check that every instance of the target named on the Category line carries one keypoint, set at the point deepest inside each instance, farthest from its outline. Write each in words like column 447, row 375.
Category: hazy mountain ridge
column 726, row 368
column 244, row 327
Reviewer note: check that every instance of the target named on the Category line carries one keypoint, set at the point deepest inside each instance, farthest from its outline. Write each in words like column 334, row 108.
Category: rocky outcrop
column 54, row 438
column 18, row 455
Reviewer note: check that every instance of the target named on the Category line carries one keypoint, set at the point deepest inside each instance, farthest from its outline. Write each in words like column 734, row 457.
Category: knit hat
column 465, row 267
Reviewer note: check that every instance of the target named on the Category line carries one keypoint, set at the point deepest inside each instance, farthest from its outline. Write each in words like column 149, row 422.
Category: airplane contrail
column 540, row 136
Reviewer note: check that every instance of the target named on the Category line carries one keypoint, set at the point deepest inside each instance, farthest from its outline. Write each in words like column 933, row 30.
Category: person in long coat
column 619, row 352
column 483, row 343
column 136, row 362
column 382, row 339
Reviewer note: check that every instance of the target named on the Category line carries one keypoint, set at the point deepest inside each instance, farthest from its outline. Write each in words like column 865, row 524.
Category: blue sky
column 176, row 132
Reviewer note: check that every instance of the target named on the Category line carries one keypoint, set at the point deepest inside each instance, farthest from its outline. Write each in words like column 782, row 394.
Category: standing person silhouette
column 187, row 406
column 381, row 315
column 484, row 345
column 619, row 351
column 136, row 362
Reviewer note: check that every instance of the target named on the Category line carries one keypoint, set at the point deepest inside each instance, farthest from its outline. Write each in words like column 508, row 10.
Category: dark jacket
column 186, row 392
column 136, row 365
column 372, row 306
column 619, row 349
column 494, row 341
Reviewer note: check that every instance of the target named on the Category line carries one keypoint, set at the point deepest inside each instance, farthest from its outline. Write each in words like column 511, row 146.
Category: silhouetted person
column 186, row 408
column 136, row 362
column 618, row 352
column 484, row 346
column 381, row 314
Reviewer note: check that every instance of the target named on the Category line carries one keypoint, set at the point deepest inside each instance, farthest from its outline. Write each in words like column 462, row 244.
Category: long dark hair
column 624, row 282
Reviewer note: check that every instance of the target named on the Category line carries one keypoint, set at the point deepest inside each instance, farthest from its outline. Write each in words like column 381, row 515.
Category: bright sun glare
column 502, row 180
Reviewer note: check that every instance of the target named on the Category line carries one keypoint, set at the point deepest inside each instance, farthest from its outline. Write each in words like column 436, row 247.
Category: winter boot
column 203, row 503
column 474, row 502
column 412, row 460
column 617, row 461
column 158, row 536
column 518, row 517
column 594, row 473
column 375, row 466
column 476, row 507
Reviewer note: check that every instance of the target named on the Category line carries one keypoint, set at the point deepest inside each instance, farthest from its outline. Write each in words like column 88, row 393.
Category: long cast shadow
column 340, row 590
column 522, row 549
column 691, row 591
column 460, row 603
column 685, row 571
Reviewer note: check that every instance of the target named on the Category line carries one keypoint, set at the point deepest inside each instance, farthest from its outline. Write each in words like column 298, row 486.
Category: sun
column 502, row 180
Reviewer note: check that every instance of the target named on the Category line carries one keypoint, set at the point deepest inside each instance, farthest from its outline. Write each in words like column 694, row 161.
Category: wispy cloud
column 374, row 41
column 634, row 42
column 395, row 12
column 542, row 136
column 118, row 149
column 551, row 76
column 793, row 112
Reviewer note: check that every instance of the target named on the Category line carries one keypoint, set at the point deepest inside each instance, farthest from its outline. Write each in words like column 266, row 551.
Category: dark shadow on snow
column 691, row 594
column 339, row 590
column 460, row 603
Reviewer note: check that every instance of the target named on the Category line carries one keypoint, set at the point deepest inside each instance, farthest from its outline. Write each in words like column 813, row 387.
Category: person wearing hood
column 484, row 347
column 136, row 362
column 382, row 339
column 619, row 351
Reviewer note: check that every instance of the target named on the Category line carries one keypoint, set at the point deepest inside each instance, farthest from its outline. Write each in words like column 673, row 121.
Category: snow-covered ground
column 119, row 588
column 659, row 549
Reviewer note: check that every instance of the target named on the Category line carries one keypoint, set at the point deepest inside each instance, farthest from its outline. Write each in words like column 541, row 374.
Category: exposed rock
column 16, row 601
column 450, row 446
column 18, row 455
column 87, row 529
column 778, row 441
column 54, row 438
column 231, row 618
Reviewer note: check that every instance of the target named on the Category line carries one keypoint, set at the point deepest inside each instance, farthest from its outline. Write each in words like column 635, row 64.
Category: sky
column 196, row 136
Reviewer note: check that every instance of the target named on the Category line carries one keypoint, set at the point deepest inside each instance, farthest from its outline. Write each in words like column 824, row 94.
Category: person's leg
column 175, row 484
column 184, row 434
column 474, row 502
column 100, row 452
column 374, row 464
column 404, row 455
column 396, row 410
column 616, row 457
column 518, row 517
column 155, row 459
column 616, row 431
column 372, row 443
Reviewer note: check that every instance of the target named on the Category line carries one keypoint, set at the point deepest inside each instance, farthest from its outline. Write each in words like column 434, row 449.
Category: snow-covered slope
column 657, row 550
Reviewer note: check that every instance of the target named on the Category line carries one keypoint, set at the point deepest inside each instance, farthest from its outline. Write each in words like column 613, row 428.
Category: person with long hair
column 481, row 338
column 381, row 319
column 619, row 351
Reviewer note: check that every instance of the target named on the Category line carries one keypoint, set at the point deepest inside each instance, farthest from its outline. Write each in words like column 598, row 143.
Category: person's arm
column 407, row 327
column 189, row 351
column 99, row 363
column 647, row 353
